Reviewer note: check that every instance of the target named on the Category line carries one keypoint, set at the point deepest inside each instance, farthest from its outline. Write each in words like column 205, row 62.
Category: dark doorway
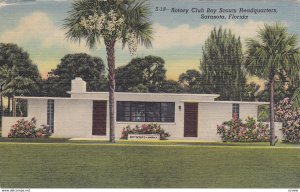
column 99, row 117
column 190, row 119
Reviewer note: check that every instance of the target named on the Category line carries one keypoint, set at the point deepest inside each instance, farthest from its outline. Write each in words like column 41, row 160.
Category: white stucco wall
column 248, row 109
column 215, row 113
column 7, row 122
column 36, row 108
column 73, row 117
column 210, row 115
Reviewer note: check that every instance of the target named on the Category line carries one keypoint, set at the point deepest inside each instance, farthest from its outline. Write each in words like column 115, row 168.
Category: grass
column 148, row 165
column 150, row 142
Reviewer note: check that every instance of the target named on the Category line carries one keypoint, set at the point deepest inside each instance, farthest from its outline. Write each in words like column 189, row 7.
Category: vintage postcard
column 149, row 94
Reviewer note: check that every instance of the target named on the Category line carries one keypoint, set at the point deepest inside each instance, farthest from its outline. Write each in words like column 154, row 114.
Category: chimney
column 78, row 85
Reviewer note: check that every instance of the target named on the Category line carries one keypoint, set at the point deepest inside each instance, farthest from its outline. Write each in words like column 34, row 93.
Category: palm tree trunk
column 110, row 50
column 272, row 116
column 8, row 105
column 1, row 103
column 13, row 106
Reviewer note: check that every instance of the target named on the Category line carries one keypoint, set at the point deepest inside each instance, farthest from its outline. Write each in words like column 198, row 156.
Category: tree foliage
column 171, row 86
column 135, row 16
column 221, row 65
column 272, row 53
column 148, row 71
column 250, row 91
column 114, row 20
column 140, row 88
column 19, row 74
column 280, row 92
column 289, row 116
column 90, row 69
column 193, row 82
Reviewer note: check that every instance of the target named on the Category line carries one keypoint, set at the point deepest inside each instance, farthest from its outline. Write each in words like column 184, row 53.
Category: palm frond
column 272, row 50
column 19, row 86
column 296, row 99
column 75, row 32
column 137, row 20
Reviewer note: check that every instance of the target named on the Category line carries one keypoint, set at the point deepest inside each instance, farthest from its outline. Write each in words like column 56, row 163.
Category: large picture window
column 128, row 111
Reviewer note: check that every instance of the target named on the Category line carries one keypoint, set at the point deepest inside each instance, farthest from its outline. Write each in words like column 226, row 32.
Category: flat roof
column 192, row 101
column 237, row 102
column 167, row 94
column 62, row 98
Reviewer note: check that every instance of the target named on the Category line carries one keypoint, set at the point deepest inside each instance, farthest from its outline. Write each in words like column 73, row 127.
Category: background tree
column 273, row 52
column 193, row 82
column 280, row 92
column 294, row 93
column 171, row 86
column 14, row 85
column 140, row 88
column 7, row 75
column 18, row 73
column 250, row 92
column 148, row 71
column 221, row 65
column 11, row 55
column 90, row 69
column 115, row 20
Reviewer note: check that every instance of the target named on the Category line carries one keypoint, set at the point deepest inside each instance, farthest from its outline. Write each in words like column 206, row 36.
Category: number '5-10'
column 160, row 8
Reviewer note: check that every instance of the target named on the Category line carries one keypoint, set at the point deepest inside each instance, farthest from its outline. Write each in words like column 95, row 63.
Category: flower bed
column 28, row 129
column 145, row 129
column 236, row 130
column 290, row 118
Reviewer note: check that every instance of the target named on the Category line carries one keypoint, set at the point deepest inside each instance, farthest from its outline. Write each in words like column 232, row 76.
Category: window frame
column 50, row 114
column 236, row 109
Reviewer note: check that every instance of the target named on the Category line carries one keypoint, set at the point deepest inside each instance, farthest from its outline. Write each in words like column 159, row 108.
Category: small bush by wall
column 145, row 129
column 236, row 130
column 28, row 129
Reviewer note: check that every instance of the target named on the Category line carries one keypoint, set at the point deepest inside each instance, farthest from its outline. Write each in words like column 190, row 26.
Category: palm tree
column 7, row 75
column 111, row 21
column 274, row 52
column 15, row 84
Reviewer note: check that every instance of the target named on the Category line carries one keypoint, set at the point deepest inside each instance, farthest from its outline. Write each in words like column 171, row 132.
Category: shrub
column 28, row 129
column 44, row 131
column 145, row 129
column 290, row 118
column 236, row 130
column 263, row 113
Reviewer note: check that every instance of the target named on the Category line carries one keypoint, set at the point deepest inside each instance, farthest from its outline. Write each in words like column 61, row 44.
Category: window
column 235, row 110
column 145, row 111
column 50, row 114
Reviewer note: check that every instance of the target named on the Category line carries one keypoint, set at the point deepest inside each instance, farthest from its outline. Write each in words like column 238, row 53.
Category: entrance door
column 190, row 119
column 99, row 118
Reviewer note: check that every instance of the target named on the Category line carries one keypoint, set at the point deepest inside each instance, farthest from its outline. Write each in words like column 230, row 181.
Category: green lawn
column 59, row 165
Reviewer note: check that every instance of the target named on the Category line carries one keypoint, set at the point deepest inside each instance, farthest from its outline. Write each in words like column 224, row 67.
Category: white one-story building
column 86, row 114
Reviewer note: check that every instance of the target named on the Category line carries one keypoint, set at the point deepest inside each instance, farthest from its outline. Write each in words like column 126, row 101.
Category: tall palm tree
column 126, row 21
column 273, row 52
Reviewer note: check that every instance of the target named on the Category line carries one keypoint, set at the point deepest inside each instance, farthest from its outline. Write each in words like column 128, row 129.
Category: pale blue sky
column 37, row 27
